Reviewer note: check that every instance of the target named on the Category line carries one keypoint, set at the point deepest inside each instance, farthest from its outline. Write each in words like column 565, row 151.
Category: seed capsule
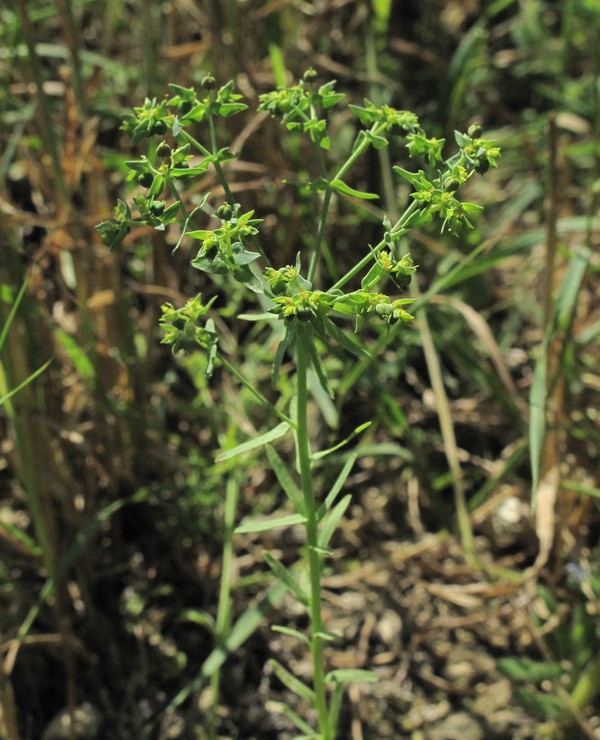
column 304, row 313
column 451, row 185
column 384, row 310
column 209, row 83
column 146, row 179
column 163, row 150
column 224, row 212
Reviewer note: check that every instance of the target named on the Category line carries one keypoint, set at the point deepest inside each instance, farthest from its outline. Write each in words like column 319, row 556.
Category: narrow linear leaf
column 276, row 433
column 336, row 704
column 292, row 683
column 22, row 537
column 349, row 344
column 25, row 382
column 287, row 340
column 351, row 675
column 12, row 312
column 291, row 633
column 338, row 484
column 340, row 187
column 297, row 720
column 331, row 519
column 263, row 525
column 311, row 351
column 358, row 430
column 323, row 400
column 527, row 669
column 245, row 626
column 325, row 552
column 571, row 285
column 325, row 635
column 202, row 618
column 285, row 576
column 286, row 481
column 537, row 421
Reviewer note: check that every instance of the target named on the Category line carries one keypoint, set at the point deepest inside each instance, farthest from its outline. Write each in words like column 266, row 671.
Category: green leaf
column 537, row 420
column 286, row 481
column 202, row 618
column 276, row 433
column 382, row 9
column 358, row 430
column 546, row 706
column 341, row 187
column 285, row 342
column 351, row 675
column 199, row 233
column 286, row 577
column 245, row 626
column 77, row 355
column 291, row 633
column 337, row 486
column 323, row 400
column 526, row 669
column 331, row 519
column 570, row 286
column 292, row 683
column 263, row 525
column 297, row 720
column 349, row 344
column 240, row 256
column 308, row 344
column 374, row 275
column 25, row 382
column 22, row 537
column 417, row 180
column 335, row 704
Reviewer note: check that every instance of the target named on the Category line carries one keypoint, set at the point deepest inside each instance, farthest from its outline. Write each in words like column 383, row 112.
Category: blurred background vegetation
column 110, row 500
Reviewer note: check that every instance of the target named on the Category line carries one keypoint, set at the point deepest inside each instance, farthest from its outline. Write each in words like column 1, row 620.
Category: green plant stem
column 220, row 174
column 401, row 227
column 223, row 622
column 316, row 255
column 314, row 559
column 358, row 151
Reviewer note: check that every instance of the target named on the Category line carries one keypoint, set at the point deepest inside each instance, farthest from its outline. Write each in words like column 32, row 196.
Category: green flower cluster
column 223, row 249
column 184, row 328
column 297, row 105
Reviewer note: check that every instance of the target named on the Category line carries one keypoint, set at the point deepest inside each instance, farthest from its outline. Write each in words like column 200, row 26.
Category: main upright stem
column 314, row 559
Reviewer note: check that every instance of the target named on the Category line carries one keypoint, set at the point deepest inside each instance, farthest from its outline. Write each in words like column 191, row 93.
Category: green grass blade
column 12, row 313
column 570, row 286
column 537, row 420
column 25, row 382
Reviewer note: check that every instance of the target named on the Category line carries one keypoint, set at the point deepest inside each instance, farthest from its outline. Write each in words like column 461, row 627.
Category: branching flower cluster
column 232, row 247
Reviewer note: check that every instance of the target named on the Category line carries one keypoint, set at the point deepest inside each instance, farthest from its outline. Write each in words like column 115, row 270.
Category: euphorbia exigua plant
column 310, row 312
